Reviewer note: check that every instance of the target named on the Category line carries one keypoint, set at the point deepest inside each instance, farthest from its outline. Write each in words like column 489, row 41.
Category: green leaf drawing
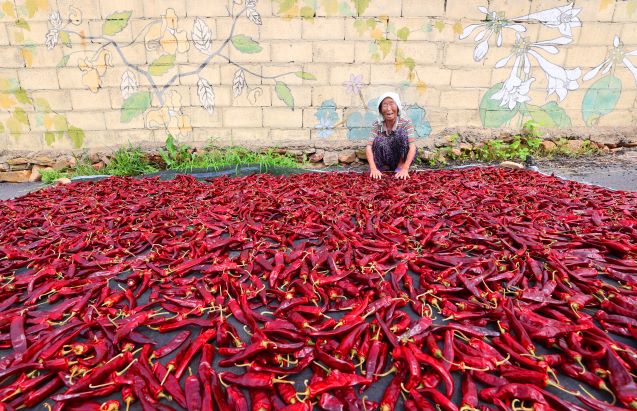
column 162, row 64
column 245, row 44
column 60, row 124
column 116, row 22
column 491, row 114
column 42, row 105
column 14, row 126
column 601, row 98
column 65, row 39
column 77, row 136
column 403, row 33
column 22, row 96
column 49, row 138
column 361, row 6
column 558, row 114
column 385, row 45
column 307, row 12
column 284, row 94
column 305, row 75
column 538, row 115
column 1, row 128
column 22, row 23
column 135, row 105
column 63, row 61
column 21, row 116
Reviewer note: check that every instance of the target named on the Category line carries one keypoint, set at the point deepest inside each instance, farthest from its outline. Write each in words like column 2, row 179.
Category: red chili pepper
column 333, row 362
column 253, row 379
column 260, row 401
column 620, row 380
column 193, row 393
column 335, row 380
column 171, row 346
column 392, row 392
column 236, row 399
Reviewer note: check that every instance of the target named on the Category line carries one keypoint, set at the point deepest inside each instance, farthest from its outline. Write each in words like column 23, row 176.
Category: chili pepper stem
column 561, row 388
column 465, row 367
column 605, row 388
column 467, row 408
column 504, row 360
column 107, row 384
column 18, row 391
column 391, row 370
column 324, row 368
column 168, row 370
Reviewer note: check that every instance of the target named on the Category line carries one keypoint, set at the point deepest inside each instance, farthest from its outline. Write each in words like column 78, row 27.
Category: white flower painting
column 527, row 57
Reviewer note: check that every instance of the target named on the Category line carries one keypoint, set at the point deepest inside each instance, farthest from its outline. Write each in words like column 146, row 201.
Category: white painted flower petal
column 517, row 27
column 499, row 39
column 616, row 41
column 594, row 71
column 481, row 50
column 503, row 62
column 468, row 30
column 483, row 9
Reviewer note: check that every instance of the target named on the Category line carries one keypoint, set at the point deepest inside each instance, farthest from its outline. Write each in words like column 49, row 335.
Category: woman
column 391, row 145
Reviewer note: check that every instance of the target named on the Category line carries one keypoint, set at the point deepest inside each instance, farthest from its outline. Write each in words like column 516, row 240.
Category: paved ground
column 616, row 171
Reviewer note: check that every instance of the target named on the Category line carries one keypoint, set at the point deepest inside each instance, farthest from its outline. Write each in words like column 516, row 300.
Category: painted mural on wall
column 385, row 44
column 166, row 38
column 508, row 101
column 17, row 101
column 602, row 96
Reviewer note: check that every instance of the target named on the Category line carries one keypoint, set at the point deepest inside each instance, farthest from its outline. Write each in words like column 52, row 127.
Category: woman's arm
column 374, row 172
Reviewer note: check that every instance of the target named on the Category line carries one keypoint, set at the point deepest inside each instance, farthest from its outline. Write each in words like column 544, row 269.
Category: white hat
column 393, row 96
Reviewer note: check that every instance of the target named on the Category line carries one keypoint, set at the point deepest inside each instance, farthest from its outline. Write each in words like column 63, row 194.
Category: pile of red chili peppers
column 474, row 289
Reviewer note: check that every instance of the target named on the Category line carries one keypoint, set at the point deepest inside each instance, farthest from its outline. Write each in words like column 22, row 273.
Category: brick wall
column 97, row 73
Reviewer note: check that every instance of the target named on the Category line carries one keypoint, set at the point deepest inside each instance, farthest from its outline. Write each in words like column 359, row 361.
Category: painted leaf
column 202, row 36
column 344, row 9
column 20, row 115
column 65, row 39
column 8, row 8
column 49, row 138
column 128, row 85
column 162, row 65
column 558, row 114
column 206, row 95
column 284, row 94
column 539, row 115
column 23, row 24
column 440, row 25
column 305, row 75
column 601, row 98
column 491, row 114
column 135, row 105
column 59, row 123
column 631, row 7
column 360, row 26
column 417, row 116
column 361, row 6
column 245, row 44
column 403, row 33
column 42, row 105
column 77, row 136
column 116, row 22
column 605, row 3
column 63, row 61
column 254, row 16
column 1, row 127
column 238, row 82
column 385, row 46
column 27, row 55
column 33, row 6
column 330, row 7
column 307, row 12
column 22, row 96
column 14, row 126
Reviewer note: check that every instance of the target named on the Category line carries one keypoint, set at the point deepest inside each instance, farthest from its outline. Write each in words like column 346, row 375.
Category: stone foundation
column 23, row 166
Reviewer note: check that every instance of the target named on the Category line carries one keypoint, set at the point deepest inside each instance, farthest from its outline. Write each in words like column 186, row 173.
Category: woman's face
column 389, row 109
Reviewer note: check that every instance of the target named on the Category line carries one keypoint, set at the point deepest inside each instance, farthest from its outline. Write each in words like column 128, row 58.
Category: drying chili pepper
column 620, row 380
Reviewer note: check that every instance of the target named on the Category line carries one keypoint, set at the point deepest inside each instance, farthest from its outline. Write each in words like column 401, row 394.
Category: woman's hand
column 375, row 174
column 402, row 174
